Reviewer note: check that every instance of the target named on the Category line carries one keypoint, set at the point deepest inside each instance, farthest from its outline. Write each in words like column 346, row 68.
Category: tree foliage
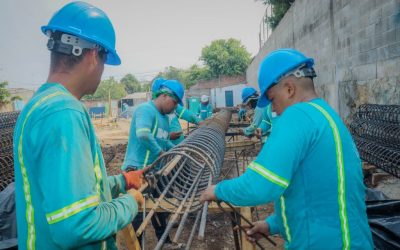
column 4, row 93
column 188, row 77
column 108, row 87
column 225, row 57
column 131, row 84
column 279, row 9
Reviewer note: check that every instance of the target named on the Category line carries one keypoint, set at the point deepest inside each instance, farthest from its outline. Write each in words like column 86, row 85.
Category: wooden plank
column 246, row 212
column 212, row 207
column 171, row 165
column 129, row 235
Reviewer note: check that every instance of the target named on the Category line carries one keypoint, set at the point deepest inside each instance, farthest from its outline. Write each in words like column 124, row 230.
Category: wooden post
column 246, row 245
column 129, row 235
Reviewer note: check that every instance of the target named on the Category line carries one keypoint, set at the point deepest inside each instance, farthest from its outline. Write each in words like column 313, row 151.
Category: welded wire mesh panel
column 388, row 134
column 376, row 131
column 7, row 124
column 376, row 112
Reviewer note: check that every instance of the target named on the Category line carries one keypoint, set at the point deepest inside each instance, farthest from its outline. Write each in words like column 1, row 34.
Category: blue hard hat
column 156, row 84
column 247, row 92
column 88, row 22
column 275, row 65
column 176, row 88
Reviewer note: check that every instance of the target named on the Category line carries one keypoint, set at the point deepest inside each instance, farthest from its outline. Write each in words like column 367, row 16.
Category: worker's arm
column 266, row 122
column 268, row 176
column 210, row 110
column 117, row 185
column 66, row 178
column 265, row 126
column 145, row 118
column 187, row 115
column 257, row 118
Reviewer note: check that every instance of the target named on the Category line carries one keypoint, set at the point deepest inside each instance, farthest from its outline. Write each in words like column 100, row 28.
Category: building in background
column 223, row 92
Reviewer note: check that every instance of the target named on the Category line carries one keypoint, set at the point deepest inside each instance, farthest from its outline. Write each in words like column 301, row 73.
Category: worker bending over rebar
column 309, row 165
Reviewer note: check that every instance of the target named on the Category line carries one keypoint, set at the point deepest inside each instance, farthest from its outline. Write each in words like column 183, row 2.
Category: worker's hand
column 241, row 132
column 133, row 179
column 175, row 135
column 208, row 194
column 253, row 233
column 258, row 133
column 137, row 195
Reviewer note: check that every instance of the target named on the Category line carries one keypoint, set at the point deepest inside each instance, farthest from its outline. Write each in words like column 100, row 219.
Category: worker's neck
column 70, row 82
column 307, row 96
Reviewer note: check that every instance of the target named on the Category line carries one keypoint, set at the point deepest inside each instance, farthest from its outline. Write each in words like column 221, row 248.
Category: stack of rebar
column 185, row 171
column 7, row 124
column 376, row 131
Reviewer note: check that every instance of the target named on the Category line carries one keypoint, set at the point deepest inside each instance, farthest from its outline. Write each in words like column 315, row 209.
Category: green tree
column 225, row 57
column 16, row 98
column 4, row 93
column 189, row 76
column 131, row 84
column 108, row 87
column 279, row 9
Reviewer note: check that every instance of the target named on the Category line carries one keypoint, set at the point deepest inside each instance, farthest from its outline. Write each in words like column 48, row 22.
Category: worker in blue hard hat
column 64, row 198
column 205, row 109
column 260, row 118
column 149, row 137
column 309, row 165
column 242, row 113
column 175, row 128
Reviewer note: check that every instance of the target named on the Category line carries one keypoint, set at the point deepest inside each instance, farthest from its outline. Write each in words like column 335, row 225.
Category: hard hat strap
column 70, row 45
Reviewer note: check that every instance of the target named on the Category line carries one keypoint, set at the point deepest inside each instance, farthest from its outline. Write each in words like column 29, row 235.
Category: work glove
column 137, row 195
column 133, row 179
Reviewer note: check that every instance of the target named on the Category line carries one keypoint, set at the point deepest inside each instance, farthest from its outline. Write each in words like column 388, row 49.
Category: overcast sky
column 151, row 35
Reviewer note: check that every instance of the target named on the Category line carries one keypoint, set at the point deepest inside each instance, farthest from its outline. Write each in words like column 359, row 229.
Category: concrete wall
column 218, row 95
column 355, row 44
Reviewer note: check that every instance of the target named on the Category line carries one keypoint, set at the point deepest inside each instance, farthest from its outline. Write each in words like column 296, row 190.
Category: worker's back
column 48, row 203
column 324, row 199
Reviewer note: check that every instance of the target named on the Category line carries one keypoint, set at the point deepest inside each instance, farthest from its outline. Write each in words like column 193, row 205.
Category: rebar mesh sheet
column 7, row 124
column 376, row 131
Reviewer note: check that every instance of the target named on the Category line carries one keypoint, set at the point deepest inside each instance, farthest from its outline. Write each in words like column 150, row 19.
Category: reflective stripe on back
column 31, row 239
column 341, row 177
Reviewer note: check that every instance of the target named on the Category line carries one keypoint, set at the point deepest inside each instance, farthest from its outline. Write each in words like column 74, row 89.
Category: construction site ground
column 113, row 135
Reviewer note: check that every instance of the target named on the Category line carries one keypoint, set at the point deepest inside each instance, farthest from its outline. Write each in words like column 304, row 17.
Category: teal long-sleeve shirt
column 64, row 198
column 262, row 119
column 311, row 169
column 148, row 136
column 175, row 126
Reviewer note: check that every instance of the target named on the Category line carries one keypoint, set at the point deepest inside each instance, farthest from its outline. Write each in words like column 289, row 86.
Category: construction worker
column 149, row 137
column 309, row 165
column 175, row 128
column 261, row 118
column 205, row 109
column 242, row 113
column 64, row 197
